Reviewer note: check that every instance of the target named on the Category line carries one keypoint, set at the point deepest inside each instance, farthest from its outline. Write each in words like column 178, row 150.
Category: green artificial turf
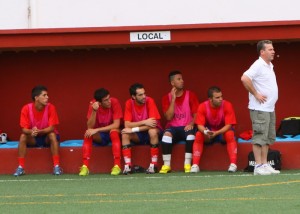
column 205, row 192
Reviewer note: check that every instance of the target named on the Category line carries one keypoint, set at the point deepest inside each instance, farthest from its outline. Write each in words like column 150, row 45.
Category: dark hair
column 172, row 74
column 261, row 45
column 37, row 90
column 134, row 87
column 212, row 90
column 100, row 93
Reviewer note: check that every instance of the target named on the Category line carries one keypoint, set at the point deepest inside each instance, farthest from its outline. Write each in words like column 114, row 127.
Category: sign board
column 150, row 36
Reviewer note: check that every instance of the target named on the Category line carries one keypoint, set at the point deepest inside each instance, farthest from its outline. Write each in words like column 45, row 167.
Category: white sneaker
column 261, row 170
column 195, row 168
column 269, row 168
column 127, row 169
column 151, row 169
column 232, row 168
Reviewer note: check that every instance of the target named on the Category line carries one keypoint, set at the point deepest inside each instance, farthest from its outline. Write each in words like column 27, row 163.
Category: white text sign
column 150, row 36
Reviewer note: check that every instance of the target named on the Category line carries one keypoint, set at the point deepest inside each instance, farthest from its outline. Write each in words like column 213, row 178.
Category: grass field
column 205, row 192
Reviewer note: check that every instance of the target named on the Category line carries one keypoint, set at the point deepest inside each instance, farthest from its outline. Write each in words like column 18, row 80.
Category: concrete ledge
column 39, row 160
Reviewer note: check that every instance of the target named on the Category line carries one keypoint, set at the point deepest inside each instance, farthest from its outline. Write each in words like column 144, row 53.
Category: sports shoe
column 152, row 169
column 127, row 169
column 19, row 171
column 165, row 169
column 269, row 168
column 232, row 168
column 261, row 171
column 195, row 168
column 84, row 170
column 187, row 168
column 115, row 170
column 57, row 170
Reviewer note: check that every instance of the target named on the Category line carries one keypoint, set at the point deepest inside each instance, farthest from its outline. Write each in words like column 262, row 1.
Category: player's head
column 100, row 93
column 37, row 91
column 215, row 96
column 138, row 93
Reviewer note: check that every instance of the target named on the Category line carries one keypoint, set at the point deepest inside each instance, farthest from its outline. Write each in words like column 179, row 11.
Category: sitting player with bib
column 215, row 120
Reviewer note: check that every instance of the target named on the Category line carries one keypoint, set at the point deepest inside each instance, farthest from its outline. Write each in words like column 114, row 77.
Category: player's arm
column 92, row 119
column 169, row 114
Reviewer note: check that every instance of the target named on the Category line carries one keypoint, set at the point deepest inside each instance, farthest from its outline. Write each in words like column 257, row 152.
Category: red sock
column 55, row 159
column 231, row 146
column 21, row 162
column 87, row 150
column 198, row 147
column 116, row 147
column 127, row 156
column 154, row 155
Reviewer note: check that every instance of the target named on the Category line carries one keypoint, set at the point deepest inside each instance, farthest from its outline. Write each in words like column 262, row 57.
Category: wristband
column 205, row 131
column 135, row 129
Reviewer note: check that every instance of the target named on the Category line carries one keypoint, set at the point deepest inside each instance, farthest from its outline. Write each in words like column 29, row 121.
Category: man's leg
column 22, row 147
column 189, row 139
column 126, row 150
column 198, row 148
column 116, row 150
column 86, row 155
column 166, row 152
column 231, row 150
column 54, row 145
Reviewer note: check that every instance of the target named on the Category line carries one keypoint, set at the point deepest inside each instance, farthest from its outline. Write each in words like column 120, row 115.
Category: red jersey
column 152, row 110
column 202, row 114
column 38, row 116
column 193, row 101
column 106, row 116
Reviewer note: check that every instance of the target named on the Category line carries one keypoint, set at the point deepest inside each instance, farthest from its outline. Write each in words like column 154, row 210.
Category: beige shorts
column 263, row 125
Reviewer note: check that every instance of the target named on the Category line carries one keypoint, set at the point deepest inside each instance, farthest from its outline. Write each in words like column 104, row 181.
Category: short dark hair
column 100, row 93
column 212, row 90
column 172, row 74
column 37, row 90
column 134, row 87
column 261, row 45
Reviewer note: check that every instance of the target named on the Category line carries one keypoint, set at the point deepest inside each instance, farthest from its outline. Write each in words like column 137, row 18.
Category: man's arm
column 115, row 125
column 247, row 82
column 92, row 119
column 169, row 114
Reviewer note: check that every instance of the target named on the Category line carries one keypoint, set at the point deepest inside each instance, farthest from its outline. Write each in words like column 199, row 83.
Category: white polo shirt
column 264, row 81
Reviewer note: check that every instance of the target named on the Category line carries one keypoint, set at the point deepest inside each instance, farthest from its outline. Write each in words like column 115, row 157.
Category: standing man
column 142, row 126
column 260, row 81
column 215, row 120
column 104, row 119
column 180, row 108
column 38, row 122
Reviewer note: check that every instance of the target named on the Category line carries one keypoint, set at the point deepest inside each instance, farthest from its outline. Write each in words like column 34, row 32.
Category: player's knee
column 199, row 139
column 152, row 133
column 166, row 139
column 229, row 136
column 190, row 137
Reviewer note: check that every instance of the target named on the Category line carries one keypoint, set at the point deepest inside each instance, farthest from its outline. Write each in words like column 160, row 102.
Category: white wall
column 13, row 14
column 99, row 13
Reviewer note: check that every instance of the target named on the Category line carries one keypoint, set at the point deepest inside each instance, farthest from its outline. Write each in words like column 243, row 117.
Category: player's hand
column 188, row 128
column 90, row 132
column 151, row 122
column 95, row 105
column 126, row 131
column 34, row 131
column 173, row 93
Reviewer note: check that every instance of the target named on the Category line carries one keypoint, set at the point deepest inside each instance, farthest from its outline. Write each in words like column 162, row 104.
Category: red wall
column 72, row 76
